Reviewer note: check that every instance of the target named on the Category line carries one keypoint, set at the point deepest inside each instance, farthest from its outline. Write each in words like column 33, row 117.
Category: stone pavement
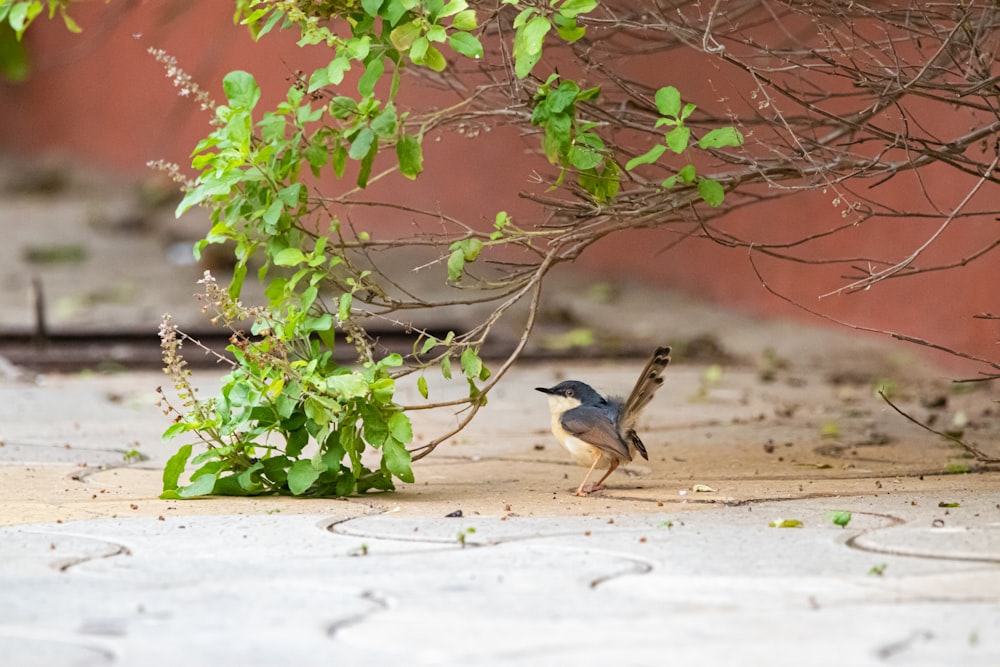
column 96, row 570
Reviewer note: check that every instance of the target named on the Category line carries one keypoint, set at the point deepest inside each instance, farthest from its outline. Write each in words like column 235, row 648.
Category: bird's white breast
column 583, row 453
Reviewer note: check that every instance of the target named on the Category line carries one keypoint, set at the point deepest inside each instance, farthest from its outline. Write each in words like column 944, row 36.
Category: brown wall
column 99, row 98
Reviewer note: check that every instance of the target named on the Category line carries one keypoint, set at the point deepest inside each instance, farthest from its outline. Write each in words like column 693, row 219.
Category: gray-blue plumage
column 599, row 430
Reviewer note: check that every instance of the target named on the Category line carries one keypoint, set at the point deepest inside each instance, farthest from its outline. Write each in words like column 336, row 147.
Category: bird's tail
column 633, row 438
column 645, row 387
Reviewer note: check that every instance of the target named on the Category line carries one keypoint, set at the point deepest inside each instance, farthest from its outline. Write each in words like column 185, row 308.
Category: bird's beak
column 544, row 390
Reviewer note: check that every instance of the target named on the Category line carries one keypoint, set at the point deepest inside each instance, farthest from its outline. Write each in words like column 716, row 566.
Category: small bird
column 599, row 431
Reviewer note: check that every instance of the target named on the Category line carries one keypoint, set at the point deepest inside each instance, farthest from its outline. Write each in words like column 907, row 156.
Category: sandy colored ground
column 745, row 439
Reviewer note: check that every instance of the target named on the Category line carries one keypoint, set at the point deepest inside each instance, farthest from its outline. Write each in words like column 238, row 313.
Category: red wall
column 100, row 98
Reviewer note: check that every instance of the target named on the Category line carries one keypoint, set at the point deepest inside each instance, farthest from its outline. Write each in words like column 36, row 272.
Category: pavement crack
column 64, row 565
column 339, row 527
column 887, row 651
column 98, row 652
column 853, row 543
column 378, row 602
column 637, row 567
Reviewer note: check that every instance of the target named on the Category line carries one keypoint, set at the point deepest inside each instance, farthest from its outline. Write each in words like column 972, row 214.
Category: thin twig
column 899, row 266
column 858, row 327
column 972, row 449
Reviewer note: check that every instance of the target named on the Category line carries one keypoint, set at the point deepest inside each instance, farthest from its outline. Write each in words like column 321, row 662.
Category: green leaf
column 582, row 157
column 602, row 185
column 558, row 134
column 785, row 523
column 175, row 429
column 70, row 24
column 400, row 427
column 362, row 144
column 446, row 367
column 720, row 137
column 465, row 20
column 296, row 441
column 453, row 7
column 376, row 431
column 677, row 138
column 241, row 90
column 273, row 213
column 563, row 97
column 687, row 174
column 403, row 36
column 397, row 459
column 347, row 386
column 668, row 101
column 344, row 306
column 371, row 7
column 338, row 160
column 373, row 72
column 289, row 257
column 572, row 8
column 528, row 45
column 437, row 33
column 316, row 411
column 649, row 157
column 236, row 284
column 840, row 518
column 394, row 360
column 175, row 466
column 313, row 324
column 318, row 79
column 192, row 197
column 466, row 44
column 290, row 195
column 470, row 248
column 243, row 484
column 22, row 14
column 410, row 156
column 343, row 107
column 434, row 60
column 422, row 386
column 456, row 264
column 301, row 476
column 366, row 165
column 396, row 10
column 711, row 191
column 570, row 32
column 419, row 48
column 384, row 124
column 472, row 365
column 523, row 16
column 203, row 486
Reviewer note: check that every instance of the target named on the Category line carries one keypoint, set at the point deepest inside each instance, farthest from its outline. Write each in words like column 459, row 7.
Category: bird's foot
column 586, row 491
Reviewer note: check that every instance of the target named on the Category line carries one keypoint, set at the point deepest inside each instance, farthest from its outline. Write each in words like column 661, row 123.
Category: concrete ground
column 488, row 559
column 96, row 570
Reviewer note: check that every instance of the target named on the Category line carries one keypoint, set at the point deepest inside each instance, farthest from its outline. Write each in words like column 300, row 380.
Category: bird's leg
column 600, row 482
column 579, row 491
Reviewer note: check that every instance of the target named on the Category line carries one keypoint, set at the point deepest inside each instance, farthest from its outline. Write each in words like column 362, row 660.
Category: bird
column 599, row 431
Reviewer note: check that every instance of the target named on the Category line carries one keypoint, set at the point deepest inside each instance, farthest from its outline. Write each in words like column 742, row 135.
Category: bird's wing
column 594, row 426
column 646, row 385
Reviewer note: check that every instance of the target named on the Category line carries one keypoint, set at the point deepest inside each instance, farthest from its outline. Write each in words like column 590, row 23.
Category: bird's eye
column 569, row 393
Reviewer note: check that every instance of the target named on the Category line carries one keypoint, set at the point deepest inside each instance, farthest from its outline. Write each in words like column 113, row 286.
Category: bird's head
column 570, row 394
